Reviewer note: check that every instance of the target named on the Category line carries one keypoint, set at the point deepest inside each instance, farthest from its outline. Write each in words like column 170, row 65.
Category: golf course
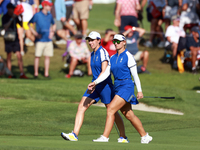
column 34, row 112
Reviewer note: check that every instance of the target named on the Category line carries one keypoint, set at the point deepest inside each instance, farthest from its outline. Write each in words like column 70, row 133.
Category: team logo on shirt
column 97, row 58
column 121, row 59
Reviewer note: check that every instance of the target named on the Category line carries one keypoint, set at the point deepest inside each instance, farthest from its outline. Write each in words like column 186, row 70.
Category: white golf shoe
column 101, row 139
column 70, row 136
column 123, row 140
column 146, row 139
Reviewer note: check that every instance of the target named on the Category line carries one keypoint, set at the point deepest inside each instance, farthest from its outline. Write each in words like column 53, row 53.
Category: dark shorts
column 12, row 47
column 69, row 12
column 181, row 45
column 128, row 20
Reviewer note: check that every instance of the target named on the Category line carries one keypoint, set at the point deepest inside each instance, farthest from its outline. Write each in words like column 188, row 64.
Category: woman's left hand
column 139, row 95
column 91, row 87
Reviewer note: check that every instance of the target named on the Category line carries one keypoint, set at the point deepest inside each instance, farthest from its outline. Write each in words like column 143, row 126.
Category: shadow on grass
column 196, row 88
column 27, row 70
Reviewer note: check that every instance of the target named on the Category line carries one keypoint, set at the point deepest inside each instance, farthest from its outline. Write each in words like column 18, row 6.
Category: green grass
column 33, row 113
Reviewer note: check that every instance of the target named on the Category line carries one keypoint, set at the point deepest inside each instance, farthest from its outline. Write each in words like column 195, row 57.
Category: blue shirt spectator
column 60, row 9
column 131, row 43
column 3, row 8
column 43, row 24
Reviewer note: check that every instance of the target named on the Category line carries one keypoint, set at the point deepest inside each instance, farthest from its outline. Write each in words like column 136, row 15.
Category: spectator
column 188, row 14
column 126, row 13
column 61, row 22
column 193, row 45
column 173, row 34
column 69, row 8
column 132, row 35
column 3, row 8
column 107, row 43
column 9, row 21
column 79, row 53
column 4, row 69
column 154, row 15
column 44, row 34
column 81, row 14
column 26, row 17
column 172, row 7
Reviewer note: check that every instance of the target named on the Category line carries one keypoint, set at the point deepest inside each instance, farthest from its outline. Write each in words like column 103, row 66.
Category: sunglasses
column 116, row 42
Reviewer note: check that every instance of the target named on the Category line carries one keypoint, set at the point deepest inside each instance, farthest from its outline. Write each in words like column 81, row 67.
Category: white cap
column 119, row 37
column 93, row 35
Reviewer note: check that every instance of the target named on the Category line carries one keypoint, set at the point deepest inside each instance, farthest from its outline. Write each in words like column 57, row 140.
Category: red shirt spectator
column 107, row 42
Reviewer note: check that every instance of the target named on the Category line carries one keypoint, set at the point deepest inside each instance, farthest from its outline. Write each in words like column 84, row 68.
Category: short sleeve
column 33, row 19
column 52, row 21
column 131, row 60
column 104, row 55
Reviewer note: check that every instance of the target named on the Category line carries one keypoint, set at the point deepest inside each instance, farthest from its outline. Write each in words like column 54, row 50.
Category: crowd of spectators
column 39, row 20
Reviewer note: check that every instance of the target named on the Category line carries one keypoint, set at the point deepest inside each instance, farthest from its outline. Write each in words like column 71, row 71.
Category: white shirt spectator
column 174, row 33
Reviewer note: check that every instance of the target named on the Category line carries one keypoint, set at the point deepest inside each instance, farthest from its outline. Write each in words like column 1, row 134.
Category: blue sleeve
column 52, row 21
column 33, row 19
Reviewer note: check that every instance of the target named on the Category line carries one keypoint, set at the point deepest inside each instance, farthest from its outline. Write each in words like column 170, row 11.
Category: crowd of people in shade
column 43, row 20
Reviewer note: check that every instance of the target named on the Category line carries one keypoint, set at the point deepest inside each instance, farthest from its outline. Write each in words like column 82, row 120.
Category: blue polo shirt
column 43, row 23
column 97, row 58
column 131, row 43
column 121, row 64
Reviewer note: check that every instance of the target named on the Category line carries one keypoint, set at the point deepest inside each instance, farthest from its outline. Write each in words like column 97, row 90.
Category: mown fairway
column 33, row 113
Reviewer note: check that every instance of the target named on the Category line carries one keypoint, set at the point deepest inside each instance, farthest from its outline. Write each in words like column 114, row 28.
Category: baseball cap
column 176, row 17
column 128, row 27
column 119, row 37
column 46, row 2
column 195, row 29
column 93, row 35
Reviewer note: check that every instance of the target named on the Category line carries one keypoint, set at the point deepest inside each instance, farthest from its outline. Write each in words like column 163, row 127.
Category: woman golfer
column 122, row 66
column 104, row 90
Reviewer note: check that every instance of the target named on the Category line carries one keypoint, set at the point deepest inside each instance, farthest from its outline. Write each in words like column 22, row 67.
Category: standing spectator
column 193, row 44
column 132, row 35
column 69, row 7
column 173, row 34
column 154, row 15
column 26, row 17
column 107, row 43
column 44, row 34
column 61, row 22
column 9, row 21
column 81, row 14
column 188, row 14
column 126, row 13
column 3, row 8
column 79, row 53
column 171, row 8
